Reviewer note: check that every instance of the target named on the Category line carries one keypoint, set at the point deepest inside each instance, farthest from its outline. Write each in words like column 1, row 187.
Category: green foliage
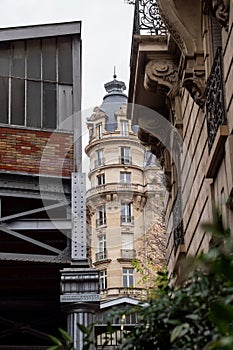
column 195, row 315
column 198, row 314
column 63, row 343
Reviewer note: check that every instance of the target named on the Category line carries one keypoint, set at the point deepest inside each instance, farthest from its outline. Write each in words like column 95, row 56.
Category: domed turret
column 112, row 102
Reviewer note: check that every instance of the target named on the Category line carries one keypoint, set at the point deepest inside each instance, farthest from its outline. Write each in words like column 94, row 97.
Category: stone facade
column 185, row 76
column 119, row 202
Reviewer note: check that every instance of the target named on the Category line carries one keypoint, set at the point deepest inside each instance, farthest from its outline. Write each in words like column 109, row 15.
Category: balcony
column 116, row 187
column 127, row 220
column 215, row 103
column 147, row 19
column 128, row 253
column 101, row 255
column 140, row 293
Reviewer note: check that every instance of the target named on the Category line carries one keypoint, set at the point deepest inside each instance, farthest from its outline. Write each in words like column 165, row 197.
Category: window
column 103, row 280
column 102, row 253
column 100, row 157
column 125, row 155
column 36, row 84
column 99, row 131
column 125, row 178
column 128, row 277
column 101, row 216
column 126, row 217
column 100, row 179
column 124, row 128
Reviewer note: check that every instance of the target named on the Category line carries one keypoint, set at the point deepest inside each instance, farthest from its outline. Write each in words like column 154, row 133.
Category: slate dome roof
column 112, row 102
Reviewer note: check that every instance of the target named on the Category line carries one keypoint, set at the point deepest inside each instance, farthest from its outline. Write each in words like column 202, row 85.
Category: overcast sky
column 106, row 36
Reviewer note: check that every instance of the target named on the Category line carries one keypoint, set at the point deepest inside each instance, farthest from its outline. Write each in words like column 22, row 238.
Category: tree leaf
column 179, row 331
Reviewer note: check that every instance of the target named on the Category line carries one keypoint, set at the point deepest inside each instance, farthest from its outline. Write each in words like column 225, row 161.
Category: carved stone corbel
column 161, row 74
column 196, row 87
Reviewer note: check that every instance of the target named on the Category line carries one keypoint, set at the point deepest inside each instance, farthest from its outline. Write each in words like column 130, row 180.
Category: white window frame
column 100, row 179
column 99, row 131
column 103, row 279
column 125, row 155
column 125, row 177
column 101, row 215
column 127, row 277
column 100, row 157
column 124, row 128
column 126, row 213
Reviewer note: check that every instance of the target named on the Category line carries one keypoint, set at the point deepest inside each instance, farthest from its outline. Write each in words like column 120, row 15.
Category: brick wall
column 34, row 152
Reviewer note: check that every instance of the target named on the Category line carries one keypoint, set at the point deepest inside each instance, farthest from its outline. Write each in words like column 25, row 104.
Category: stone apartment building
column 181, row 95
column 125, row 183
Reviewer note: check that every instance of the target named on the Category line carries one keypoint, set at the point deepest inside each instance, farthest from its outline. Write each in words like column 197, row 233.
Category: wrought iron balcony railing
column 101, row 255
column 128, row 253
column 215, row 99
column 178, row 230
column 147, row 19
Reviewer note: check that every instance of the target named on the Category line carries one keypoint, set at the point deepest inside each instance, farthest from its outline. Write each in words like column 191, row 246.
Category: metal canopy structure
column 42, row 199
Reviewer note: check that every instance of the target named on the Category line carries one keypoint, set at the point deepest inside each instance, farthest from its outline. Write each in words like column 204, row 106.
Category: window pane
column 65, row 60
column 65, row 107
column 125, row 177
column 17, row 101
column 49, row 105
column 4, row 83
column 4, row 59
column 33, row 59
column 18, row 59
column 33, row 104
column 49, row 59
column 101, row 179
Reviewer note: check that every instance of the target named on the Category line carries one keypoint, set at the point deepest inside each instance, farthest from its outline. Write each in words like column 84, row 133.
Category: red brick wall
column 31, row 151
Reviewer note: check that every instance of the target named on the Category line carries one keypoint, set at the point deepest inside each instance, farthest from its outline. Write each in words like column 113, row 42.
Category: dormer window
column 99, row 130
column 124, row 128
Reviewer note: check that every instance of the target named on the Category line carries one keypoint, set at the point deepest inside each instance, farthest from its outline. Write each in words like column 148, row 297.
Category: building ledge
column 103, row 261
column 217, row 151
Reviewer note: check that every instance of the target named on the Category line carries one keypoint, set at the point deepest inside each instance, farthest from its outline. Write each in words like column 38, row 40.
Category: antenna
column 114, row 73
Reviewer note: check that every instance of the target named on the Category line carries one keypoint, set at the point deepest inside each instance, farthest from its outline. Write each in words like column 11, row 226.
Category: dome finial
column 114, row 73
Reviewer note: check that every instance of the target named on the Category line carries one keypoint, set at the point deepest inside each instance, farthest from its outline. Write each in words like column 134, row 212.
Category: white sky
column 106, row 36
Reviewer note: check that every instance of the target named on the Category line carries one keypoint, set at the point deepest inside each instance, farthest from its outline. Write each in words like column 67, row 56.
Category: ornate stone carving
column 196, row 88
column 161, row 74
column 219, row 9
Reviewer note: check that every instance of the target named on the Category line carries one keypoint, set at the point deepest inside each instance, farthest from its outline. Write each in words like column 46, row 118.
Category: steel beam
column 29, row 239
column 41, row 224
column 33, row 211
